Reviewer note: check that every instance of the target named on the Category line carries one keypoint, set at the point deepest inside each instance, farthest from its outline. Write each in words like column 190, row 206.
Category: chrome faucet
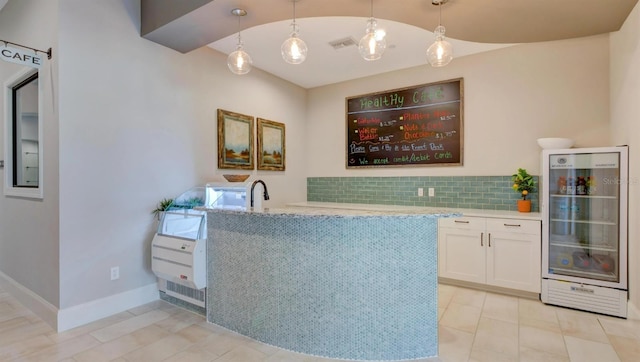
column 264, row 186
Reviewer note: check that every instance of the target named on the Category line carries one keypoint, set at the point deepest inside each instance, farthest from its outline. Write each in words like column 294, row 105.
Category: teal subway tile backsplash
column 469, row 192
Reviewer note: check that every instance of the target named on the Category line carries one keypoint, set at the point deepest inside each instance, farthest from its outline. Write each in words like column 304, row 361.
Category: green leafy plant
column 523, row 183
column 163, row 205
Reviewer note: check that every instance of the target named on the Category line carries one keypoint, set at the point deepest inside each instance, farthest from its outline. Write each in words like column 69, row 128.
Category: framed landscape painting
column 235, row 140
column 271, row 145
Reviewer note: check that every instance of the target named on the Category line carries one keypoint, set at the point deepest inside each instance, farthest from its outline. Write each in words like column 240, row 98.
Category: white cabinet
column 461, row 251
column 493, row 251
column 514, row 254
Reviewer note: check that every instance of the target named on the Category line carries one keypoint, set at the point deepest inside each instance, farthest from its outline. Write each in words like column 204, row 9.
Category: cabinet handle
column 489, row 239
column 514, row 225
column 481, row 239
column 461, row 221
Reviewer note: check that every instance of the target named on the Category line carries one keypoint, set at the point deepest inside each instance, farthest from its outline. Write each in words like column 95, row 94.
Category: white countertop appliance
column 228, row 195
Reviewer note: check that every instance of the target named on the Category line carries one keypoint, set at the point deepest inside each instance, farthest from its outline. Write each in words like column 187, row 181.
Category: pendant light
column 440, row 53
column 372, row 44
column 239, row 62
column 294, row 49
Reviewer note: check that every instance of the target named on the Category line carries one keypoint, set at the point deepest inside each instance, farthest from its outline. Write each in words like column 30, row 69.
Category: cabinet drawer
column 467, row 223
column 514, row 226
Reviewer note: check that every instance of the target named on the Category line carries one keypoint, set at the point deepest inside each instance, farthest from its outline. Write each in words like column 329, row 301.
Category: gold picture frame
column 235, row 140
column 271, row 145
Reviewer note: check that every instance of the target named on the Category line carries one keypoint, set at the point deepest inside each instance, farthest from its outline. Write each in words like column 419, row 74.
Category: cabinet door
column 513, row 254
column 461, row 254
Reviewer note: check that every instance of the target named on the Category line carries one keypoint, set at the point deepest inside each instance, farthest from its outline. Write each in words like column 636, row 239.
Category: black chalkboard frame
column 442, row 101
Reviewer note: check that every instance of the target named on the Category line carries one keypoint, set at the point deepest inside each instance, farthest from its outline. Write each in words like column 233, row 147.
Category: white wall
column 29, row 227
column 625, row 110
column 512, row 96
column 138, row 123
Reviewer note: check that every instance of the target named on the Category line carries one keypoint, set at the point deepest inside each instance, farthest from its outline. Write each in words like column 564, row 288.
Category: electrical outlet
column 420, row 191
column 432, row 192
column 115, row 273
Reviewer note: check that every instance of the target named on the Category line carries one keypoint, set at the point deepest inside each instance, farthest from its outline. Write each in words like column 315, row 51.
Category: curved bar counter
column 349, row 284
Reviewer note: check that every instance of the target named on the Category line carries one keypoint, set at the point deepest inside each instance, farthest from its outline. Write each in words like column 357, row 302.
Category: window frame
column 9, row 138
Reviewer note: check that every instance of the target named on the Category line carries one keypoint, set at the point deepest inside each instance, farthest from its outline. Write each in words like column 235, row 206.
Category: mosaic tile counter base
column 350, row 287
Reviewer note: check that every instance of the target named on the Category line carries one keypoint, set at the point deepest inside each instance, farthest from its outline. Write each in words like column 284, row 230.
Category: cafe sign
column 19, row 56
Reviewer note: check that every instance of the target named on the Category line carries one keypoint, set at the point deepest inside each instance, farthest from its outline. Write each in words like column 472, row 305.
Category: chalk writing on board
column 414, row 126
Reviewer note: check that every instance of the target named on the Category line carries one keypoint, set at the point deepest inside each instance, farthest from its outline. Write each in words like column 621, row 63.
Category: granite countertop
column 306, row 208
column 398, row 209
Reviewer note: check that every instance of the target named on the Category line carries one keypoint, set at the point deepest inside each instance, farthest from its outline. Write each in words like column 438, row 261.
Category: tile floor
column 474, row 326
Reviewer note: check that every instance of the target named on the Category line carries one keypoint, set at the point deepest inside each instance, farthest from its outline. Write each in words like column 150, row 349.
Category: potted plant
column 524, row 184
column 162, row 206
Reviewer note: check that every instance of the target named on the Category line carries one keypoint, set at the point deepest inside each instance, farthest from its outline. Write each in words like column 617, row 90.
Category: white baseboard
column 100, row 308
column 65, row 319
column 40, row 307
column 632, row 311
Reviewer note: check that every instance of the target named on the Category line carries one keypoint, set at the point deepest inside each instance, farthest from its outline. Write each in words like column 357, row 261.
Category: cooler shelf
column 593, row 222
column 591, row 274
column 584, row 196
column 592, row 247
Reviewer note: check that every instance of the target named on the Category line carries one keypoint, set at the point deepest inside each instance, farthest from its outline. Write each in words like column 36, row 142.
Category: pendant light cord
column 239, row 38
column 294, row 26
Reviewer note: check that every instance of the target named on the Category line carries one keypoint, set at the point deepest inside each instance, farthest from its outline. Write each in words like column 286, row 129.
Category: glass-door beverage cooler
column 584, row 246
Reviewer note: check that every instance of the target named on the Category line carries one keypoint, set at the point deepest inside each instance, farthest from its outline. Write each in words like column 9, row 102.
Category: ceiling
column 472, row 26
column 406, row 47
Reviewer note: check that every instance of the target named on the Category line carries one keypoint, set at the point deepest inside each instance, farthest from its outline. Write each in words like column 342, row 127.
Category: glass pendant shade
column 372, row 45
column 440, row 53
column 239, row 61
column 294, row 49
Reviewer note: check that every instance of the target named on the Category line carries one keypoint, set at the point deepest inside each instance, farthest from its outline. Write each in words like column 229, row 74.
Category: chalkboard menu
column 415, row 126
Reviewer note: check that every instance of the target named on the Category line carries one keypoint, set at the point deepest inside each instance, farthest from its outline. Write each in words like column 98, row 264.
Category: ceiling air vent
column 343, row 43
